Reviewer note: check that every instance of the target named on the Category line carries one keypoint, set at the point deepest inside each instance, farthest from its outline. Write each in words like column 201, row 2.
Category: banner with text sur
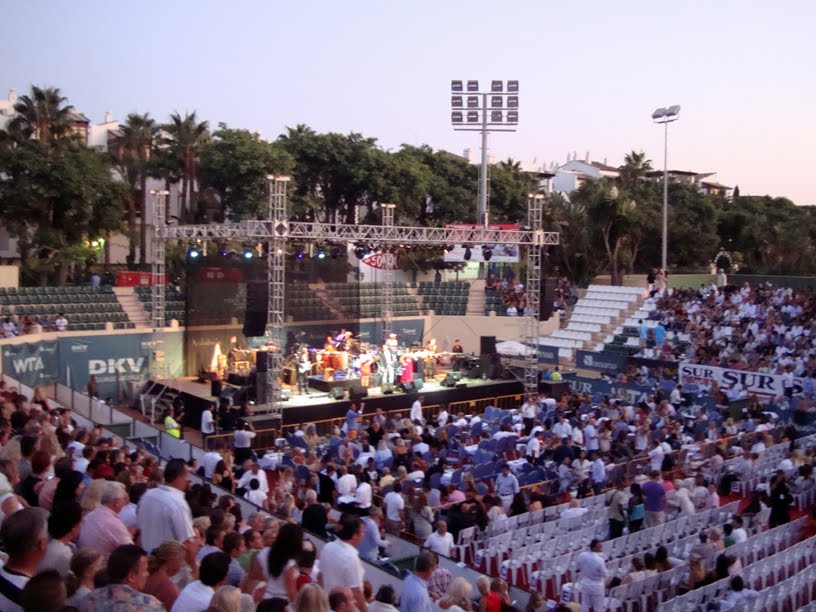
column 753, row 383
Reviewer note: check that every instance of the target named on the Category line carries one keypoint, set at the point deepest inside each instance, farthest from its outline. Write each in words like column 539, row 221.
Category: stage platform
column 318, row 406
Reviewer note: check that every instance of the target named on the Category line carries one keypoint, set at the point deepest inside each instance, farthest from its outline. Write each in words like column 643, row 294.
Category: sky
column 590, row 73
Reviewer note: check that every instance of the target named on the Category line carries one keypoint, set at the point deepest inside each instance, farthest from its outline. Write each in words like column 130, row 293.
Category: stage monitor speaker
column 408, row 387
column 547, row 298
column 475, row 371
column 487, row 345
column 461, row 385
column 337, row 393
column 286, row 395
column 357, row 391
column 491, row 365
column 257, row 308
column 387, row 388
column 451, row 379
column 419, row 381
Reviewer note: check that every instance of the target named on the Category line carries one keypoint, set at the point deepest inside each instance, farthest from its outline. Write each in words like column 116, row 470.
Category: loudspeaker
column 286, row 395
column 475, row 372
column 337, row 393
column 357, row 391
column 491, row 366
column 451, row 379
column 257, row 307
column 547, row 298
column 387, row 388
column 461, row 385
column 419, row 381
column 215, row 388
column 487, row 345
column 260, row 361
column 408, row 387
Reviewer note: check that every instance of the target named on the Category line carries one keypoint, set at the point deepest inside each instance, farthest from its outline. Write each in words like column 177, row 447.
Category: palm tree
column 43, row 115
column 635, row 168
column 135, row 146
column 186, row 135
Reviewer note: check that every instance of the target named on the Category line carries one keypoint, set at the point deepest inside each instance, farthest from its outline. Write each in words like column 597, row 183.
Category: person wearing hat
column 507, row 485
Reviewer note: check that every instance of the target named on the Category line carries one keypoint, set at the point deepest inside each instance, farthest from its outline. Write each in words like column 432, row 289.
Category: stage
column 318, row 406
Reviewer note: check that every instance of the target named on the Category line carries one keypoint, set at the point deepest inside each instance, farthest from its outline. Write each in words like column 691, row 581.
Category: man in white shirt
column 196, row 596
column 574, row 510
column 739, row 533
column 442, row 417
column 533, row 450
column 394, row 509
column 416, row 411
column 207, row 424
column 364, row 494
column 529, row 409
column 592, row 578
column 211, row 459
column 562, row 429
column 656, row 456
column 163, row 513
column 440, row 541
column 253, row 470
column 242, row 441
column 346, row 484
column 340, row 564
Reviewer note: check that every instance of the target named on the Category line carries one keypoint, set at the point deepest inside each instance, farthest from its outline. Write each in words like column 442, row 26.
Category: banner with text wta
column 32, row 363
column 753, row 383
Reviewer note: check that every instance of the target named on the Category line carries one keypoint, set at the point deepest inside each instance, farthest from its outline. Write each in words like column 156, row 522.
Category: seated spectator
column 45, row 592
column 165, row 563
column 311, row 598
column 197, row 595
column 738, row 595
column 63, row 527
column 85, row 565
column 102, row 529
column 24, row 535
column 385, row 600
column 126, row 574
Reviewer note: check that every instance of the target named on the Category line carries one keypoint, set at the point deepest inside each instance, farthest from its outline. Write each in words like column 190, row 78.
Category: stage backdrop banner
column 547, row 354
column 32, row 363
column 114, row 360
column 601, row 361
column 754, row 383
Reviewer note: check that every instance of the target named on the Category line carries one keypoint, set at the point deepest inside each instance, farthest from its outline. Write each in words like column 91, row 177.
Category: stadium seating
column 85, row 308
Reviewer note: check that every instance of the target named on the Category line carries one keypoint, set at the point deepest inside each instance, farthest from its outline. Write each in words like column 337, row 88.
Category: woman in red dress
column 407, row 369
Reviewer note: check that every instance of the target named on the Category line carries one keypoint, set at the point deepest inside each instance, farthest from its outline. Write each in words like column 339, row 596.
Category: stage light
column 299, row 255
column 487, row 253
column 321, row 254
column 193, row 253
column 248, row 253
column 224, row 254
column 468, row 254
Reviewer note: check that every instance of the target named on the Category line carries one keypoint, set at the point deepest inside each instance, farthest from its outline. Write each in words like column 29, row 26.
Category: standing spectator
column 441, row 540
column 127, row 574
column 197, row 595
column 234, row 546
column 242, row 442
column 394, row 510
column 102, row 529
column 617, row 510
column 278, row 563
column 781, row 499
column 371, row 542
column 63, row 527
column 415, row 596
column 592, row 577
column 207, row 425
column 211, row 459
column 340, row 564
column 25, row 538
column 654, row 500
column 164, row 514
column 507, row 486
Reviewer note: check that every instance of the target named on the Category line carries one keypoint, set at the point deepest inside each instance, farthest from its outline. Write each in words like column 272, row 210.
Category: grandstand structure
column 277, row 230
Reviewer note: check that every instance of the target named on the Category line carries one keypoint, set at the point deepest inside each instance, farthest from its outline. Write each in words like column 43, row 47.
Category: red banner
column 135, row 279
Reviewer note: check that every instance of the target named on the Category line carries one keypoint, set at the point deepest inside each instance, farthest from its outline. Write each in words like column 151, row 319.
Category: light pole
column 666, row 116
column 482, row 111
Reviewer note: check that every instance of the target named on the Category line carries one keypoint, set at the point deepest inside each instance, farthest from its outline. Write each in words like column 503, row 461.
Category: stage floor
column 319, row 406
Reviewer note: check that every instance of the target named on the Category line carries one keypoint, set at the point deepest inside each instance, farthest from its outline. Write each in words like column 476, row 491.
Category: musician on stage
column 366, row 361
column 431, row 346
column 457, row 347
column 456, row 359
column 304, row 368
column 388, row 362
column 393, row 344
column 431, row 349
column 407, row 368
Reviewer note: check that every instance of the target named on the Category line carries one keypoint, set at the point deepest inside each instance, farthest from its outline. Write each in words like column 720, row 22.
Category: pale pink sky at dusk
column 590, row 73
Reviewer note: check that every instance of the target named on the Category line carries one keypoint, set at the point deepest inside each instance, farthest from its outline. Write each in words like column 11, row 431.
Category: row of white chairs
column 610, row 297
column 560, row 342
column 637, row 291
column 571, row 335
column 595, row 311
column 610, row 304
column 597, row 319
column 754, row 551
column 797, row 592
column 583, row 327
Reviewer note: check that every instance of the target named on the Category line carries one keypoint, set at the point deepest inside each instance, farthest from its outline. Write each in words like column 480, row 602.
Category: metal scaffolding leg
column 535, row 220
column 276, row 278
column 387, row 294
column 158, row 283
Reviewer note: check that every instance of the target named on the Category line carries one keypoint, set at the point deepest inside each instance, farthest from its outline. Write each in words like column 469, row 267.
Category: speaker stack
column 257, row 308
column 489, row 361
column 547, row 298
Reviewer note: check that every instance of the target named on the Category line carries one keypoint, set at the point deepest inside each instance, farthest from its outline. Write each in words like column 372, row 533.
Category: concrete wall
column 10, row 275
column 470, row 329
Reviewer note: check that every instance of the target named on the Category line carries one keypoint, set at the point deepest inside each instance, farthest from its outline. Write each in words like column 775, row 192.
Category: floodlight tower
column 485, row 112
column 666, row 116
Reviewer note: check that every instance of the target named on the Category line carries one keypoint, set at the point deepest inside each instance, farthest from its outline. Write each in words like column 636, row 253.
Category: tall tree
column 634, row 169
column 43, row 115
column 186, row 135
column 133, row 151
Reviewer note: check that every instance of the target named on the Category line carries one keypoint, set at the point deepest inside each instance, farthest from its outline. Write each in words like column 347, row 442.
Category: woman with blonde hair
column 226, row 599
column 457, row 597
column 165, row 562
column 85, row 564
column 311, row 598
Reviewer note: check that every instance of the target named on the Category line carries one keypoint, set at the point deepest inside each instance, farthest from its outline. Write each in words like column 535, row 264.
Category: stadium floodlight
column 665, row 116
column 484, row 113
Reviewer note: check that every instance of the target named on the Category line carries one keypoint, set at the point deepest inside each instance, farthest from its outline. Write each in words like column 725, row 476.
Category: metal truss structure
column 277, row 230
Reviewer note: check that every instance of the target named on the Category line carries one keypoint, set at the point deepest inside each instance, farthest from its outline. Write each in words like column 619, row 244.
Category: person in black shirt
column 375, row 434
column 327, row 487
column 565, row 450
column 315, row 517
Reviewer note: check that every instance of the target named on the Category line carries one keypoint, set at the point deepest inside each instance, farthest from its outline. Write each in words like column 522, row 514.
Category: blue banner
column 633, row 393
column 32, row 363
column 547, row 354
column 601, row 361
column 113, row 360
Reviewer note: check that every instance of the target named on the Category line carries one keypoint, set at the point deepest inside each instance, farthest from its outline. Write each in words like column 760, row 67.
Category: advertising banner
column 113, row 360
column 632, row 393
column 753, row 383
column 33, row 364
column 547, row 354
column 601, row 361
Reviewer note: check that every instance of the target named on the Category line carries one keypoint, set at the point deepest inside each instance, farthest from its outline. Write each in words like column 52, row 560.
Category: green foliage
column 235, row 164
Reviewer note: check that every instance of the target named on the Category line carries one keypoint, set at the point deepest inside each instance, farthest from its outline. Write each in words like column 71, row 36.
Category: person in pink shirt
column 102, row 529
